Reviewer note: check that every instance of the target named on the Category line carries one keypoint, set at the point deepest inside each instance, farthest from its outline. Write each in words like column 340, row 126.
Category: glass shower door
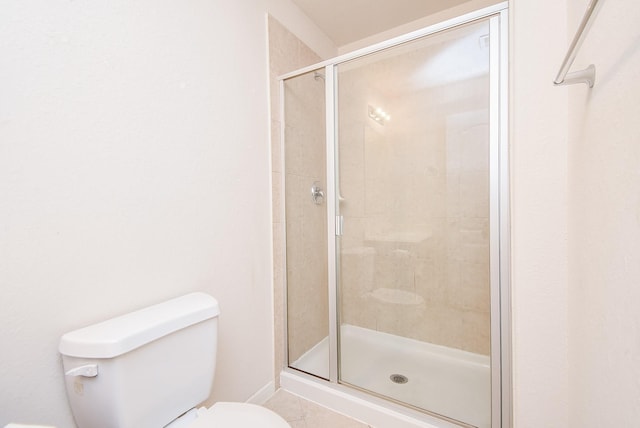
column 306, row 223
column 413, row 195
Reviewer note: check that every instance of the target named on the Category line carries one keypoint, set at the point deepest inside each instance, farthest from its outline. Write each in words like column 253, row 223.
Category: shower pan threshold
column 439, row 379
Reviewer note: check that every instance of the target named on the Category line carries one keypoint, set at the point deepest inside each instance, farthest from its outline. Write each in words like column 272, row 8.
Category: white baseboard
column 263, row 394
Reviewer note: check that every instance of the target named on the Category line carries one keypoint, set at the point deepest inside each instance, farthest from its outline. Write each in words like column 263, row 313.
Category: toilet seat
column 238, row 415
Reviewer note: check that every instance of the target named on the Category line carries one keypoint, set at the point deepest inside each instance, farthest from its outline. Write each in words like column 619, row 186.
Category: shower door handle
column 339, row 225
column 317, row 194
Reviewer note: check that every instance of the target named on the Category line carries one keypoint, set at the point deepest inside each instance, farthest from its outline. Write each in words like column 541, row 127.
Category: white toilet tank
column 145, row 368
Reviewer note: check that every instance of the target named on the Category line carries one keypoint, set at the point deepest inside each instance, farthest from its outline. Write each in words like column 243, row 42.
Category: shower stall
column 396, row 207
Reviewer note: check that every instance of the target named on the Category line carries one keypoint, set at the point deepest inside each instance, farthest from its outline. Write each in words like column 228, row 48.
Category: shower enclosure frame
column 368, row 406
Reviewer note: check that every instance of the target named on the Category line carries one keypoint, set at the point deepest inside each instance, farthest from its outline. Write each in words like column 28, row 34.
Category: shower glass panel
column 306, row 223
column 413, row 181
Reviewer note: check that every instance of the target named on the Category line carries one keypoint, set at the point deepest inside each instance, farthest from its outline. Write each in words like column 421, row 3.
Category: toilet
column 151, row 369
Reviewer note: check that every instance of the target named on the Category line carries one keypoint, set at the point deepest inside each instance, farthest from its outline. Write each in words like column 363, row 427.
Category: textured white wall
column 539, row 214
column 134, row 167
column 604, row 226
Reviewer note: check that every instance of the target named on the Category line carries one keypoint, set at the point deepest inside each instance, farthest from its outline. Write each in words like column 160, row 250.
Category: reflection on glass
column 413, row 145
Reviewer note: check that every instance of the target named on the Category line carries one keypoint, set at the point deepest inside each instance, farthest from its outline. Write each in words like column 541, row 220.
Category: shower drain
column 398, row 378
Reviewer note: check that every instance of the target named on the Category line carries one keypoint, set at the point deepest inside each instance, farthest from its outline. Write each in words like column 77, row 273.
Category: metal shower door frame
column 497, row 15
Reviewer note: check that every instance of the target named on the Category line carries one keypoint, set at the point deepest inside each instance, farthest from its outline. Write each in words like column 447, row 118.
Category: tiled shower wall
column 306, row 221
column 414, row 259
column 287, row 53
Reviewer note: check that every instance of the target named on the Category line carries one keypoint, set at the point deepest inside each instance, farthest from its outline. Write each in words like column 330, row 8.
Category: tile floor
column 301, row 413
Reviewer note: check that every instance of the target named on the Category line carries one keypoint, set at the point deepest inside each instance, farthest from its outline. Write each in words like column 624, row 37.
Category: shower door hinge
column 339, row 225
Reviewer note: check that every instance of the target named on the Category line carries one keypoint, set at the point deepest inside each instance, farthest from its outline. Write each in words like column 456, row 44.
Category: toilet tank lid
column 122, row 334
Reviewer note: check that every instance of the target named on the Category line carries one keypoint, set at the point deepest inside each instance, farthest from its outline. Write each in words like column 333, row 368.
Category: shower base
column 441, row 380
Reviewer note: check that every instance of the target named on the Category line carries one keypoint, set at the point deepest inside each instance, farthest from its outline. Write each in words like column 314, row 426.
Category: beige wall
column 575, row 221
column 604, row 221
column 134, row 167
column 538, row 143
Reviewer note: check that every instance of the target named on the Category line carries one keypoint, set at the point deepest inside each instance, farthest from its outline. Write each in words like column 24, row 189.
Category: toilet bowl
column 151, row 368
column 237, row 415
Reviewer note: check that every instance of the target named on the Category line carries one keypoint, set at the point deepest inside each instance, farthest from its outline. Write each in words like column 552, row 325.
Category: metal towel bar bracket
column 588, row 75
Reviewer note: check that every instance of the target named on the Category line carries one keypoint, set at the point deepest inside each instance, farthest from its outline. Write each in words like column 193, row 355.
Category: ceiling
column 346, row 21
